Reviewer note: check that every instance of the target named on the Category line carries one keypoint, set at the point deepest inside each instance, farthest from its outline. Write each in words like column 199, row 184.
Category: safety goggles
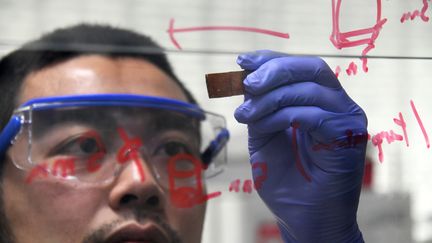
column 90, row 138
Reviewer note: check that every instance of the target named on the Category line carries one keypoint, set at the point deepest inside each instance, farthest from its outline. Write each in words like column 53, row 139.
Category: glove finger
column 288, row 70
column 298, row 94
column 324, row 126
column 307, row 118
column 252, row 60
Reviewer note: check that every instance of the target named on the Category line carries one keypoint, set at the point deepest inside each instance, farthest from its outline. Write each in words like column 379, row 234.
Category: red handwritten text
column 40, row 170
column 377, row 141
column 298, row 162
column 419, row 121
column 130, row 151
column 247, row 186
column 350, row 140
column 93, row 163
column 337, row 71
column 235, row 186
column 64, row 167
column 260, row 175
column 261, row 167
column 352, row 69
column 269, row 232
column 391, row 136
column 417, row 13
column 402, row 124
column 171, row 30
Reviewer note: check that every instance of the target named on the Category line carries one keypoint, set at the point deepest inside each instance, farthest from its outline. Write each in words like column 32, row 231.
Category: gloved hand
column 312, row 137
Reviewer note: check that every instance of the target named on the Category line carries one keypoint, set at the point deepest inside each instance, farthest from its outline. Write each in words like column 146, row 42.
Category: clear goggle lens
column 92, row 143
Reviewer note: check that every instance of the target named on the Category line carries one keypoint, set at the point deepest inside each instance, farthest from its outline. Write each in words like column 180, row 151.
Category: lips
column 137, row 233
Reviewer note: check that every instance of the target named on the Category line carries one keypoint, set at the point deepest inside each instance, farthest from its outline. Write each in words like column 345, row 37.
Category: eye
column 81, row 145
column 172, row 148
column 88, row 145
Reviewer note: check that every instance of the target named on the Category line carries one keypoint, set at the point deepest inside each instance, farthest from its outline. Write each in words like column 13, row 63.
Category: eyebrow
column 109, row 118
column 44, row 120
column 175, row 121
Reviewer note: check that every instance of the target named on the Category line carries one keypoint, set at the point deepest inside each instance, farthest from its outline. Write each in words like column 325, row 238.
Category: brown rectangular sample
column 225, row 84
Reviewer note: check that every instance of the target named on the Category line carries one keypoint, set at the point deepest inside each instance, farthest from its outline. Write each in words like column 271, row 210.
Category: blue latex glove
column 312, row 137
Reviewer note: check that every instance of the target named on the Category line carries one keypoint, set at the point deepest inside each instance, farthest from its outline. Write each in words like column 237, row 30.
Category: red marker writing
column 351, row 140
column 64, row 167
column 378, row 139
column 402, row 124
column 40, row 170
column 419, row 121
column 352, row 69
column 417, row 13
column 247, row 186
column 337, row 71
column 186, row 196
column 259, row 180
column 365, row 36
column 130, row 151
column 235, row 186
column 171, row 30
column 93, row 162
column 298, row 163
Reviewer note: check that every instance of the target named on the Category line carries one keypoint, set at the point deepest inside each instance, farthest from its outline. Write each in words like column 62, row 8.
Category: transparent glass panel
column 380, row 50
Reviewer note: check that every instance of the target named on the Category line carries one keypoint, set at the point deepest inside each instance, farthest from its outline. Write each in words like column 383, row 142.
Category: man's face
column 127, row 209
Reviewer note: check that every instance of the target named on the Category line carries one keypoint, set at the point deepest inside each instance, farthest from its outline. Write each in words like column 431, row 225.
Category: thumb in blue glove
column 292, row 106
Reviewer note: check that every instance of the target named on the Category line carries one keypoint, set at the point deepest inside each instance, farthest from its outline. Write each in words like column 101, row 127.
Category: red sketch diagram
column 171, row 31
column 357, row 37
column 417, row 13
column 187, row 196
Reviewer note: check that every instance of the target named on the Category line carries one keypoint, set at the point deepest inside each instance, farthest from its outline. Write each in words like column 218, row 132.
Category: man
column 96, row 135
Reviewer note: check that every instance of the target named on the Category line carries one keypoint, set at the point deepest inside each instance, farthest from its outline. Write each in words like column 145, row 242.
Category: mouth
column 138, row 233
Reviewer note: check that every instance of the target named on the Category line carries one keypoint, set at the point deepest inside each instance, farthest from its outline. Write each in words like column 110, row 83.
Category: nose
column 136, row 188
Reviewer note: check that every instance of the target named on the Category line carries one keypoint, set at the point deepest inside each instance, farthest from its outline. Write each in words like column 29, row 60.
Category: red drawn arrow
column 171, row 30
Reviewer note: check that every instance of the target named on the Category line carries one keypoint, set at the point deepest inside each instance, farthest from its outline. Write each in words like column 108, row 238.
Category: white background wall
column 403, row 180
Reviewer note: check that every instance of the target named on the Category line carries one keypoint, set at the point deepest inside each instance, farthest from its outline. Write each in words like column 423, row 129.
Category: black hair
column 67, row 43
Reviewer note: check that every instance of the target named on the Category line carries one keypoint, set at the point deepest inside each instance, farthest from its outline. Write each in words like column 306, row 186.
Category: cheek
column 50, row 210
column 60, row 202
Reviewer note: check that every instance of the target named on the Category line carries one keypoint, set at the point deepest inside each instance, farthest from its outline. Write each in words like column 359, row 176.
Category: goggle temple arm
column 8, row 134
column 215, row 146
